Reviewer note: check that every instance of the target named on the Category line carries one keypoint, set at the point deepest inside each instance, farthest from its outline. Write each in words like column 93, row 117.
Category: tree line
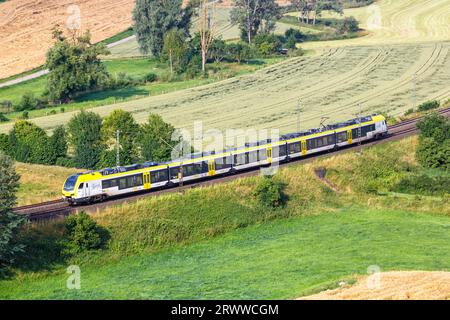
column 89, row 142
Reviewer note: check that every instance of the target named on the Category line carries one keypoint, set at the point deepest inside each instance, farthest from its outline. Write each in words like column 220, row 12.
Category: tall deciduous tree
column 156, row 139
column 207, row 28
column 9, row 222
column 153, row 18
column 122, row 121
column 30, row 143
column 74, row 66
column 84, row 135
column 58, row 143
column 175, row 49
column 255, row 16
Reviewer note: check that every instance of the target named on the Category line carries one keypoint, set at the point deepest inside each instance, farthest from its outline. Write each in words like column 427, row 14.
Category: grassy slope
column 281, row 259
column 354, row 229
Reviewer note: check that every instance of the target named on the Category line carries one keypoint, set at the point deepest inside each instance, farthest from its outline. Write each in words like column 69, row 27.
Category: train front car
column 68, row 190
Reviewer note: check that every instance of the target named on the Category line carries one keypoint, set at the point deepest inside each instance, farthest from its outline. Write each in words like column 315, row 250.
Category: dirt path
column 394, row 285
column 25, row 27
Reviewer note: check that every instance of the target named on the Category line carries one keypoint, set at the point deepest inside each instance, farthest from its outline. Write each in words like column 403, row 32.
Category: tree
column 207, row 29
column 154, row 18
column 239, row 51
column 30, row 143
column 58, row 143
column 9, row 222
column 175, row 48
column 84, row 135
column 349, row 24
column 122, row 121
column 218, row 51
column 75, row 66
column 156, row 139
column 434, row 141
column 255, row 16
column 82, row 233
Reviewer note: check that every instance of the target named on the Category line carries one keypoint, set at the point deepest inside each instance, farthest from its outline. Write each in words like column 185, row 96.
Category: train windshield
column 70, row 182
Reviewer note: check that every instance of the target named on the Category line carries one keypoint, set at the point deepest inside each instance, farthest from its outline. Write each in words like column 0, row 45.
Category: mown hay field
column 334, row 83
column 399, row 21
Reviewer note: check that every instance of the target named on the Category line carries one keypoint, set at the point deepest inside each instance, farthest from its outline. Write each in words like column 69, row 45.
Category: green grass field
column 278, row 260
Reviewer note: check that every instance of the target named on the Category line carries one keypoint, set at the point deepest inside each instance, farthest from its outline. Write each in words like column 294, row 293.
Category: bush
column 28, row 102
column 423, row 184
column 349, row 24
column 409, row 111
column 429, row 105
column 239, row 52
column 65, row 162
column 3, row 118
column 82, row 234
column 268, row 44
column 432, row 154
column 25, row 115
column 270, row 192
column 150, row 77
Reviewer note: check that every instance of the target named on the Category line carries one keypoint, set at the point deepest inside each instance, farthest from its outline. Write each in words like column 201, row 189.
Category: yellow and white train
column 95, row 186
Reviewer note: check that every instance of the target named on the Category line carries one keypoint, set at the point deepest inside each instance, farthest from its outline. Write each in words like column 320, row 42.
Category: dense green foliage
column 75, row 67
column 29, row 143
column 84, row 135
column 175, row 49
column 123, row 122
column 424, row 184
column 154, row 18
column 155, row 139
column 429, row 105
column 434, row 146
column 9, row 222
column 255, row 17
column 270, row 192
column 82, row 234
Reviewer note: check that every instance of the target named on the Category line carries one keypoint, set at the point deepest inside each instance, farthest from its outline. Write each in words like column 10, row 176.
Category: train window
column 240, row 159
column 262, row 154
column 106, row 184
column 279, row 151
column 194, row 169
column 294, row 147
column 81, row 186
column 138, row 181
column 253, row 157
column 122, row 183
column 174, row 172
column 159, row 176
column 130, row 182
column 342, row 136
column 223, row 163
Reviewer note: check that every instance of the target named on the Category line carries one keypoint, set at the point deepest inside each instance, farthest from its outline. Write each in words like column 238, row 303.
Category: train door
column 211, row 167
column 83, row 190
column 304, row 149
column 349, row 136
column 147, row 182
column 269, row 154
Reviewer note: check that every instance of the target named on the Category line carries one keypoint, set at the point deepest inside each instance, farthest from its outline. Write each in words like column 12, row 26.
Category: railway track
column 59, row 208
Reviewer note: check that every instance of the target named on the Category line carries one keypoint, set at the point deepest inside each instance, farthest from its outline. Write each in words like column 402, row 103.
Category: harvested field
column 399, row 21
column 25, row 27
column 394, row 285
column 334, row 83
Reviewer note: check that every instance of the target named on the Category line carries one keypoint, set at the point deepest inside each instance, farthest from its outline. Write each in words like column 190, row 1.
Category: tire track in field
column 347, row 78
column 431, row 61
